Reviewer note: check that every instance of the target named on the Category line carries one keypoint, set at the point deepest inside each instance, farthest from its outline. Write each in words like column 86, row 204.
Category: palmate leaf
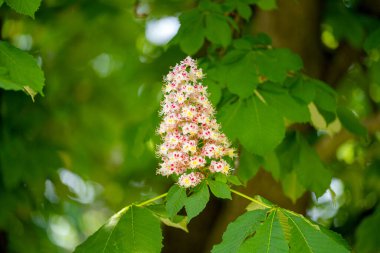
column 269, row 237
column 280, row 99
column 135, row 230
column 275, row 229
column 274, row 64
column 242, row 78
column 19, row 70
column 262, row 127
column 306, row 237
column 259, row 127
column 239, row 230
column 298, row 160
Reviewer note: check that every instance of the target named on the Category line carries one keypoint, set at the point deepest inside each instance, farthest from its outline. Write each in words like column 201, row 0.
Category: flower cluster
column 193, row 146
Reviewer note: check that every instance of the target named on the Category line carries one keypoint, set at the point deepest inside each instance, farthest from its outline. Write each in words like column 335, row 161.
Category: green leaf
column 19, row 71
column 269, row 237
column 135, row 230
column 215, row 92
column 1, row 2
column 336, row 237
column 267, row 4
column 28, row 7
column 308, row 238
column 233, row 56
column 309, row 164
column 219, row 189
column 249, row 164
column 319, row 120
column 302, row 89
column 197, row 201
column 175, row 200
column 220, row 177
column 191, row 32
column 272, row 165
column 285, row 104
column 217, row 29
column 229, row 115
column 178, row 221
column 242, row 78
column 242, row 44
column 244, row 10
column 292, row 187
column 373, row 41
column 367, row 234
column 351, row 122
column 261, row 128
column 255, row 205
column 284, row 224
column 288, row 153
column 216, row 75
column 238, row 230
column 325, row 100
column 275, row 64
column 259, row 40
column 234, row 180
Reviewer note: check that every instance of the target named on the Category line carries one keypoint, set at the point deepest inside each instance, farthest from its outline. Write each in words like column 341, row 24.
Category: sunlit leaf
column 28, row 7
column 135, row 230
column 261, row 128
column 288, row 106
column 269, row 237
column 20, row 71
column 242, row 78
column 308, row 238
column 239, row 230
column 274, row 64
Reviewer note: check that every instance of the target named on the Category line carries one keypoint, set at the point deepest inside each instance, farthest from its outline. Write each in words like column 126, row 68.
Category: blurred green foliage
column 86, row 149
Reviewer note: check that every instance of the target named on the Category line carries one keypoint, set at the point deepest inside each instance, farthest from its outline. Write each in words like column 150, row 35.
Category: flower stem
column 250, row 199
column 152, row 199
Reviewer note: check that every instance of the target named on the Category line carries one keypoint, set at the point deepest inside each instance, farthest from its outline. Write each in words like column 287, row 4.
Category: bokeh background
column 72, row 158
